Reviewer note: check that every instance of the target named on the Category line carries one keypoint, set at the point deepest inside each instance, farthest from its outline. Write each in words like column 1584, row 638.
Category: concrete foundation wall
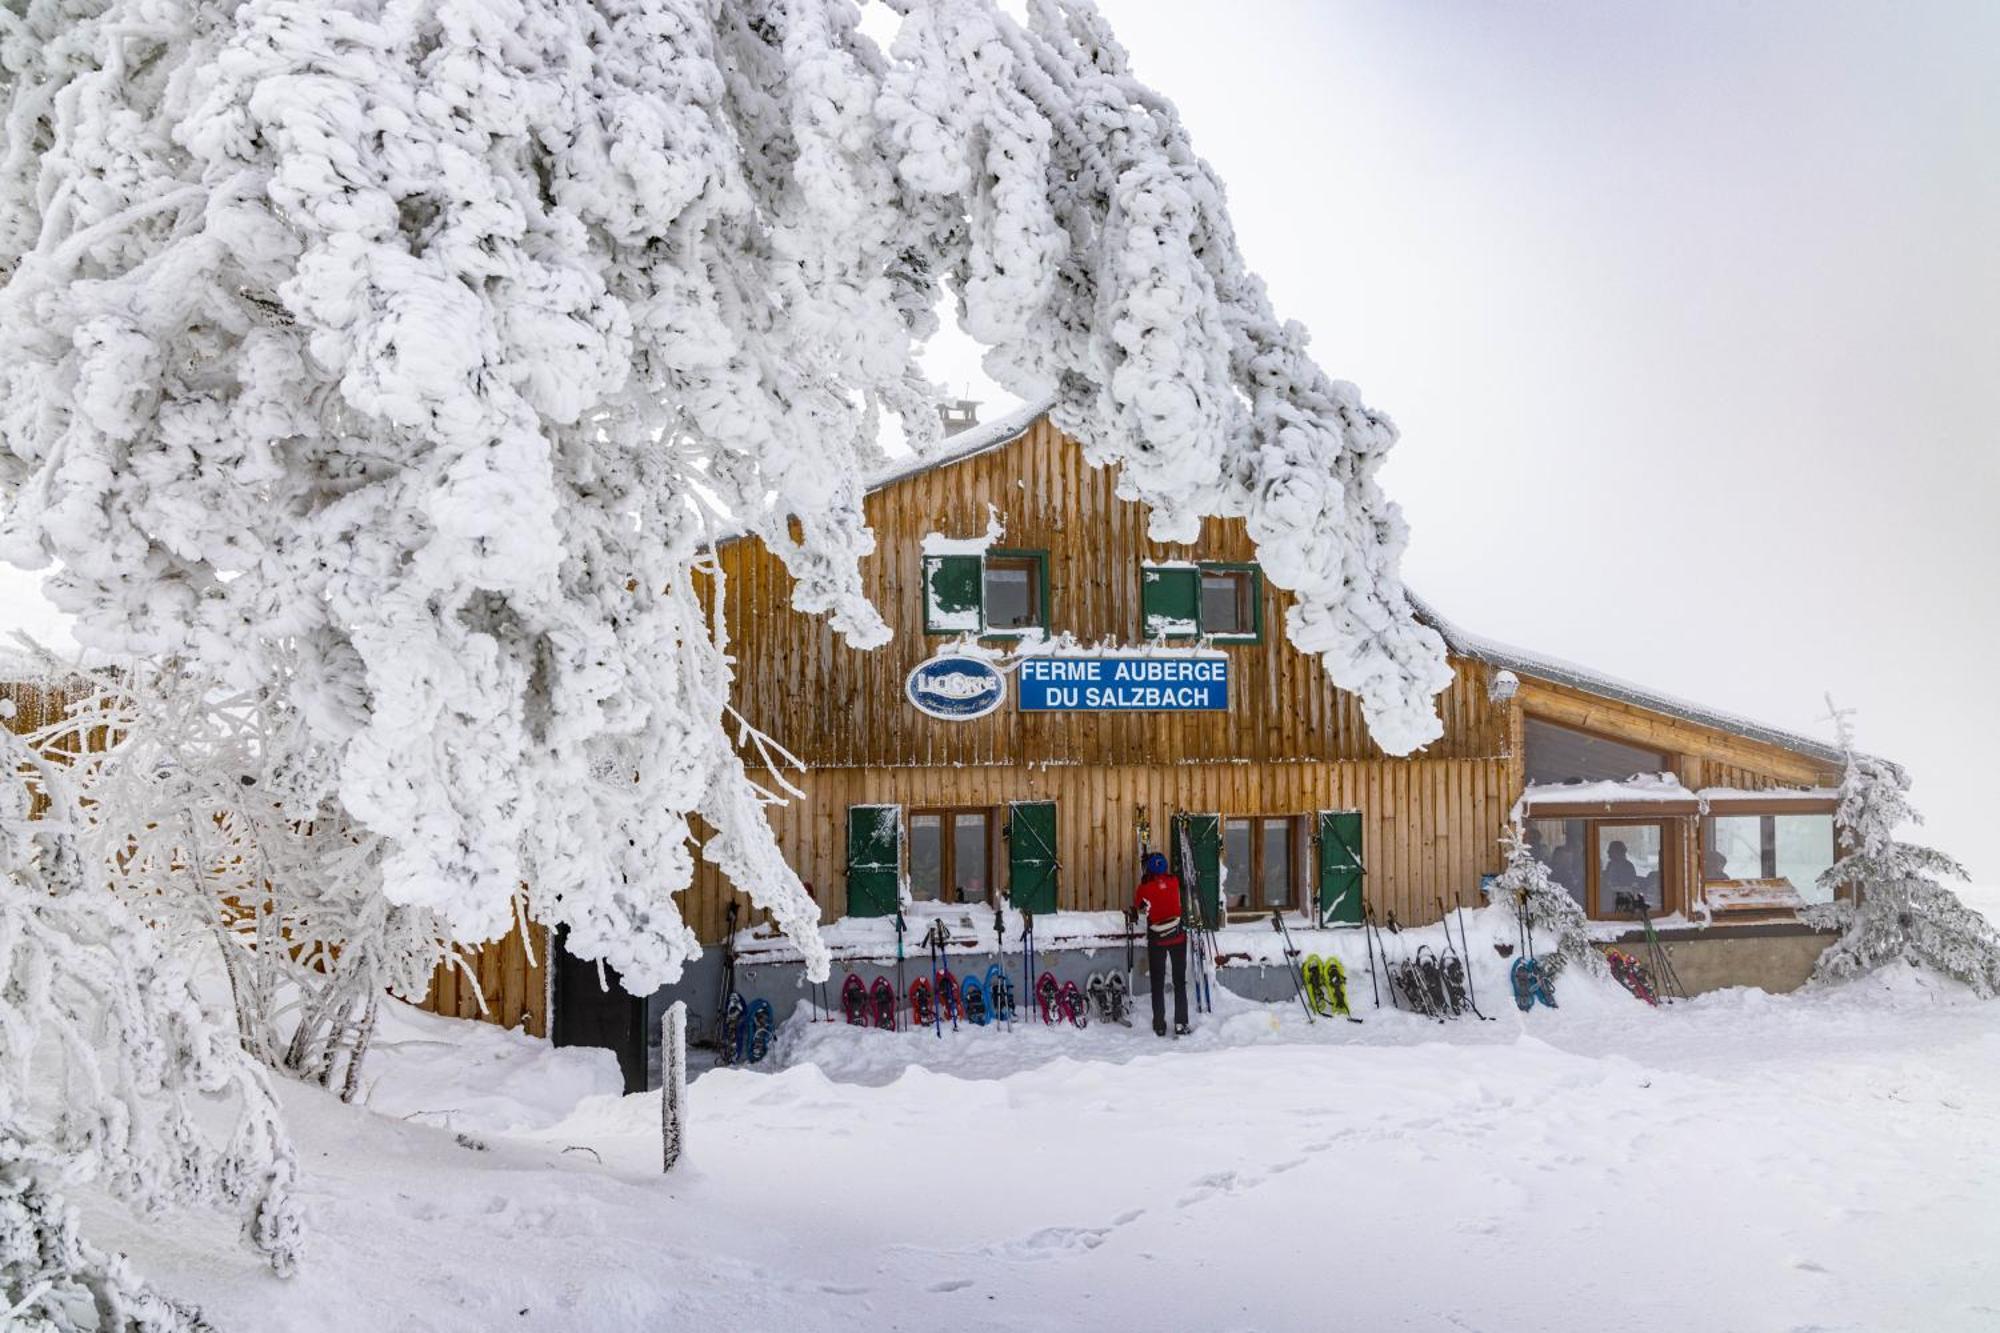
column 1774, row 958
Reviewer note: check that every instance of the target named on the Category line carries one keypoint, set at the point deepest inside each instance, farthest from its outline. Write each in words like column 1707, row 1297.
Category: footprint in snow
column 950, row 1284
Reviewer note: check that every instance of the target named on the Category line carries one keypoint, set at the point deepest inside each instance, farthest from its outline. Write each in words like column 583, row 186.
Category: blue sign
column 1123, row 684
column 955, row 688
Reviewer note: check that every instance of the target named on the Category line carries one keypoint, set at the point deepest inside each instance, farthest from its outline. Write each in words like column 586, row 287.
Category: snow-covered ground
column 1823, row 1161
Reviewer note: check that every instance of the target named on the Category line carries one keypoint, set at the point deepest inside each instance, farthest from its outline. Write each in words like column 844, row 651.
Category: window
column 1560, row 844
column 1181, row 600
column 1629, row 868
column 1013, row 593
column 1257, row 863
column 1000, row 592
column 1561, row 754
column 951, row 855
column 1228, row 602
column 1795, row 848
column 1596, row 861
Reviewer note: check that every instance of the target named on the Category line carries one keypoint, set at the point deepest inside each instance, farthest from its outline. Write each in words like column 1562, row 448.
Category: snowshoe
column 1335, row 982
column 1120, row 998
column 854, row 999
column 729, row 1045
column 1312, row 979
column 1631, row 974
column 978, row 1010
column 1182, row 1029
column 1100, row 999
column 882, row 998
column 947, row 995
column 920, row 1002
column 1431, row 976
column 1000, row 993
column 1048, row 995
column 1073, row 1005
column 1530, row 984
column 759, row 1028
column 1451, row 968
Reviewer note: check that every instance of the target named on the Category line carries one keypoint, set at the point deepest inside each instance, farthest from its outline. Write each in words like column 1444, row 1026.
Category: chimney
column 958, row 414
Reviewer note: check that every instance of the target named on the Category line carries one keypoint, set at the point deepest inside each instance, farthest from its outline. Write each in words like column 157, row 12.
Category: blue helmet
column 1156, row 864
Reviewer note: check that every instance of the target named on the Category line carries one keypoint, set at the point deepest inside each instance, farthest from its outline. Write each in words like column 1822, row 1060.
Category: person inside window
column 1714, row 864
column 1620, row 875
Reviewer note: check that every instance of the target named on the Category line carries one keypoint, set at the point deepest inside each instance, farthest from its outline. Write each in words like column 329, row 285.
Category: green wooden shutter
column 1033, row 872
column 953, row 588
column 1340, row 867
column 874, row 859
column 1200, row 837
column 1170, row 601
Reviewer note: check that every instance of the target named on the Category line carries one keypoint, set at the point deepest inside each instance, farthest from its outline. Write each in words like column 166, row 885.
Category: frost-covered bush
column 196, row 806
column 1893, row 907
column 408, row 357
column 1524, row 886
column 110, row 1071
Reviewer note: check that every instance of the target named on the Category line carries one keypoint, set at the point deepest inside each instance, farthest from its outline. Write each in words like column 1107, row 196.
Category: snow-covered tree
column 1525, row 886
column 1892, row 906
column 194, row 810
column 110, row 1071
column 408, row 357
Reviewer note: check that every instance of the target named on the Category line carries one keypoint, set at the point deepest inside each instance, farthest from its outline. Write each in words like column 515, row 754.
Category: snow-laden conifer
column 408, row 357
column 1892, row 906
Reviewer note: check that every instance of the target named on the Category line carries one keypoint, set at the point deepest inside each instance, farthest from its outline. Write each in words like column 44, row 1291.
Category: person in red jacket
column 1159, row 900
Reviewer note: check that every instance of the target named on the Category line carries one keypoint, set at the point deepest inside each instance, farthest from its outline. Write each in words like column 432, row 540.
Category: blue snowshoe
column 975, row 1002
column 1000, row 994
column 758, row 1030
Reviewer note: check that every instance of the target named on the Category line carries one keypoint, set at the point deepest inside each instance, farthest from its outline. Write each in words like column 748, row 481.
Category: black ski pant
column 1156, row 967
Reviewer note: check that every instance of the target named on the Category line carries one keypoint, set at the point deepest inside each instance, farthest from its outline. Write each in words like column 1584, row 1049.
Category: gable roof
column 1004, row 430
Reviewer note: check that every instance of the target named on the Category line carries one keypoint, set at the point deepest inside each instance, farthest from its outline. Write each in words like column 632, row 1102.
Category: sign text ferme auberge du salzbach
column 1129, row 684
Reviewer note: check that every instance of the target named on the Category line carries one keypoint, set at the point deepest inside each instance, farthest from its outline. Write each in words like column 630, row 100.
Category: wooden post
column 673, row 1083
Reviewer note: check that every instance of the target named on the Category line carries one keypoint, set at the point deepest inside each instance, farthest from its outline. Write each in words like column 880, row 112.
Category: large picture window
column 1563, row 754
column 1790, row 848
column 1606, row 865
column 951, row 855
column 1259, row 863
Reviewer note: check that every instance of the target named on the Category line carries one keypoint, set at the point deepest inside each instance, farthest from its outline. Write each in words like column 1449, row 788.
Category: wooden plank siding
column 1430, row 827
column 836, row 706
column 515, row 984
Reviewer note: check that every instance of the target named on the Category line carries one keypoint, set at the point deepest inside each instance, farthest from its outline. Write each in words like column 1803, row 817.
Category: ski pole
column 1471, row 991
column 1367, row 915
column 1291, row 964
column 901, row 989
column 1464, row 956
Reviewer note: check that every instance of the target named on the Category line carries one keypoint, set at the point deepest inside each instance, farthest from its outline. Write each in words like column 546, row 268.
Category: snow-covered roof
column 983, row 438
column 1543, row 667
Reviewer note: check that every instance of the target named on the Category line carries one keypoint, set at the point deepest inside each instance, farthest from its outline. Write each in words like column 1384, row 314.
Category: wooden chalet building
column 1057, row 678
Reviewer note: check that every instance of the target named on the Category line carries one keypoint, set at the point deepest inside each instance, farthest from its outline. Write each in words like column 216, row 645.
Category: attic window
column 991, row 592
column 1013, row 593
column 1212, row 599
column 1562, row 754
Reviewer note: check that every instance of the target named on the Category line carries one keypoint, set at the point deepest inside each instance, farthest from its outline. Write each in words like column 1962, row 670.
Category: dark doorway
column 588, row 1014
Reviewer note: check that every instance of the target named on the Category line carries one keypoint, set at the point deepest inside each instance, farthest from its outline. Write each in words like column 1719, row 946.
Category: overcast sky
column 1690, row 316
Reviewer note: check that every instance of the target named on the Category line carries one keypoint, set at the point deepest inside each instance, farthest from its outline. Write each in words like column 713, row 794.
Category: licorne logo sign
column 955, row 688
